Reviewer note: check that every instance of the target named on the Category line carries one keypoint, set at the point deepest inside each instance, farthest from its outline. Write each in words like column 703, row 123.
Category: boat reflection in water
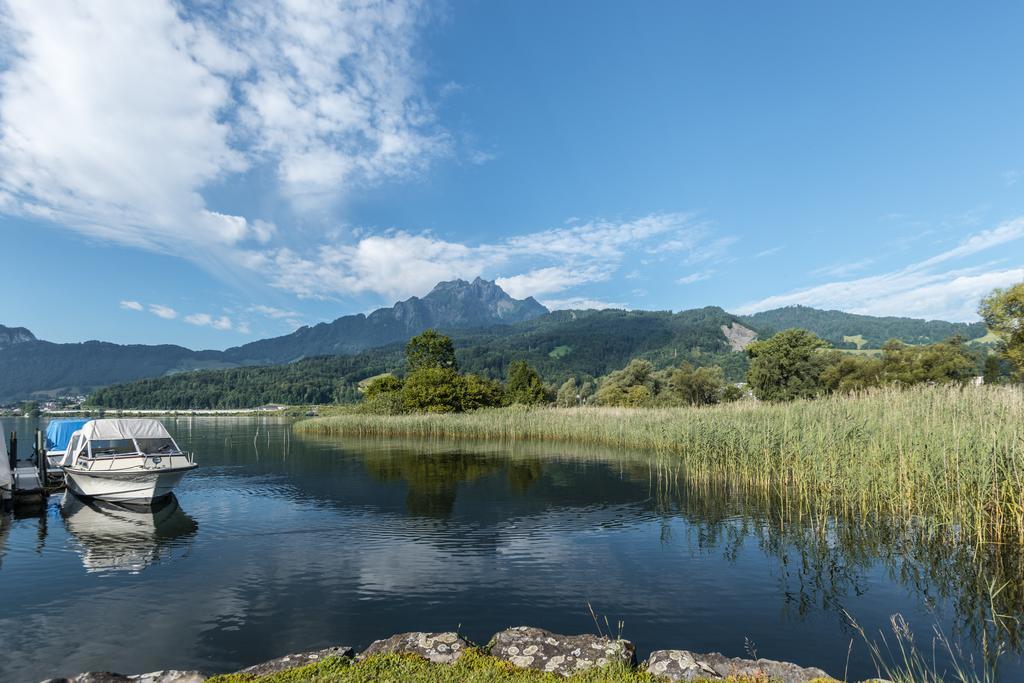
column 120, row 537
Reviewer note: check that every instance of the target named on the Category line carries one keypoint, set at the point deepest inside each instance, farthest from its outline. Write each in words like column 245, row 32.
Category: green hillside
column 559, row 345
column 851, row 331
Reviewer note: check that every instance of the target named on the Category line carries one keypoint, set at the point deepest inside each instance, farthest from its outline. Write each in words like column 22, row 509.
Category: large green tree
column 634, row 385
column 1003, row 312
column 430, row 350
column 433, row 390
column 696, row 386
column 524, row 385
column 568, row 394
column 941, row 363
column 787, row 366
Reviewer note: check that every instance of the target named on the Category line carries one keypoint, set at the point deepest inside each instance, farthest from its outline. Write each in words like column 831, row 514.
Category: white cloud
column 131, row 305
column 199, row 319
column 579, row 303
column 694, row 277
column 1010, row 178
column 843, row 269
column 206, row 320
column 708, row 251
column 335, row 97
column 607, row 239
column 399, row 264
column 1009, row 231
column 550, row 279
column 161, row 311
column 768, row 252
column 918, row 290
column 109, row 126
column 275, row 313
column 115, row 117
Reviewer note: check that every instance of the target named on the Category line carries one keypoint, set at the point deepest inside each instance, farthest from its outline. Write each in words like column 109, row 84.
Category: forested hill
column 581, row 344
column 330, row 379
column 847, row 330
column 37, row 368
column 33, row 368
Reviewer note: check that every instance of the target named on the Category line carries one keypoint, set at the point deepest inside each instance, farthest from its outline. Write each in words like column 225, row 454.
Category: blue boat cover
column 59, row 432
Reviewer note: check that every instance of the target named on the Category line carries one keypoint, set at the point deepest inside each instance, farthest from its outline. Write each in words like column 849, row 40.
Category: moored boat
column 125, row 460
column 58, row 434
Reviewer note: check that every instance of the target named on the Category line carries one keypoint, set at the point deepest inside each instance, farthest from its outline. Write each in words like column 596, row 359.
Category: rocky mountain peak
column 9, row 336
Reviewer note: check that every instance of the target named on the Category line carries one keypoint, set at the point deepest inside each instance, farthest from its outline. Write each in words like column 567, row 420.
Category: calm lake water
column 280, row 544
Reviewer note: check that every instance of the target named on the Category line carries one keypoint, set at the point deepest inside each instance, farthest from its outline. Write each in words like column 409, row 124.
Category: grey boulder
column 535, row 648
column 169, row 676
column 440, row 648
column 683, row 665
column 295, row 661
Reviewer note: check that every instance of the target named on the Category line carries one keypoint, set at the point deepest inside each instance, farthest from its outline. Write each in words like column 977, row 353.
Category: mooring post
column 13, row 450
column 41, row 456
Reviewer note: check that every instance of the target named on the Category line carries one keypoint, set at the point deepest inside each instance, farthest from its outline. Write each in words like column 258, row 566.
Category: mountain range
column 450, row 305
column 490, row 329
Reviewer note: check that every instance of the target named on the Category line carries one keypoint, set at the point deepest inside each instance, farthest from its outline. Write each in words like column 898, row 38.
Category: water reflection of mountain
column 114, row 538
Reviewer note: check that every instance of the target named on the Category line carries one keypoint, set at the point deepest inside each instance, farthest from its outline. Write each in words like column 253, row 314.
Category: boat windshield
column 113, row 447
column 157, row 446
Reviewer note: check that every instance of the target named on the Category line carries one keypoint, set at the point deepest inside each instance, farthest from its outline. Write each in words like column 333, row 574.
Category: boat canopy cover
column 58, row 433
column 5, row 463
column 111, row 430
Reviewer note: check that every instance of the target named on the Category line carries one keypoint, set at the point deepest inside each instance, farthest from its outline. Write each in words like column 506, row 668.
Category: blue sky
column 207, row 173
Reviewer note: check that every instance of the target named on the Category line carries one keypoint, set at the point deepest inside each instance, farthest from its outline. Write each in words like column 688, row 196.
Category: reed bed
column 953, row 456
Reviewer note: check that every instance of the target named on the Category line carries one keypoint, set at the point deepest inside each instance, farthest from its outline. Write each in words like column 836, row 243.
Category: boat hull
column 126, row 486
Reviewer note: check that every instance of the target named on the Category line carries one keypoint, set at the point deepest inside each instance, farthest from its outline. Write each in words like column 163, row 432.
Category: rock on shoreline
column 535, row 648
column 523, row 646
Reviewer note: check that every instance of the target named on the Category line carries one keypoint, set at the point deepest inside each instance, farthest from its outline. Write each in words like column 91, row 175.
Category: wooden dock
column 30, row 480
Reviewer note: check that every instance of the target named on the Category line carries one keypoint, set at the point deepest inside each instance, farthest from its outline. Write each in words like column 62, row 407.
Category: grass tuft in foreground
column 949, row 455
column 473, row 667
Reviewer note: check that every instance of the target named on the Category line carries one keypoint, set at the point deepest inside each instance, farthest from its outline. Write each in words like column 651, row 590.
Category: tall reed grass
column 949, row 455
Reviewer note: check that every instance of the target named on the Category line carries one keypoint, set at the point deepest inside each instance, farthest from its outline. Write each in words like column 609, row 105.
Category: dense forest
column 330, row 379
column 68, row 369
column 837, row 327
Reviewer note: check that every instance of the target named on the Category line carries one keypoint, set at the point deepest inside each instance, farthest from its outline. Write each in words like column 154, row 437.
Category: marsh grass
column 949, row 457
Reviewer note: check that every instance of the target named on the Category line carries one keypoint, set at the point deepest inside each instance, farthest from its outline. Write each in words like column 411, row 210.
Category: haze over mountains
column 489, row 327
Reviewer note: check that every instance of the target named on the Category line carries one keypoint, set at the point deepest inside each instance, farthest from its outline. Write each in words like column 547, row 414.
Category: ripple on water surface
column 279, row 544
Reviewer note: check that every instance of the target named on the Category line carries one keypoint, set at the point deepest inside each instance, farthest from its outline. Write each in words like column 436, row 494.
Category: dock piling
column 41, row 455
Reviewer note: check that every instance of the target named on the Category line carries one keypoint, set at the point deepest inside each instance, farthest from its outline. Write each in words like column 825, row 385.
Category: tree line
column 791, row 364
column 431, row 377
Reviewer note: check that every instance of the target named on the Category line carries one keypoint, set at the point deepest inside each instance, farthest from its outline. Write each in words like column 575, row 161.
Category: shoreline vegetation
column 949, row 456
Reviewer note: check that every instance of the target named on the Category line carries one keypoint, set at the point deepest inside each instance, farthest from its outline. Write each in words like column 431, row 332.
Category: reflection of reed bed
column 949, row 455
column 825, row 558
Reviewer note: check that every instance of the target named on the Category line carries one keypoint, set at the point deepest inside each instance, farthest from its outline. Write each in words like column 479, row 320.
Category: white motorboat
column 124, row 460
